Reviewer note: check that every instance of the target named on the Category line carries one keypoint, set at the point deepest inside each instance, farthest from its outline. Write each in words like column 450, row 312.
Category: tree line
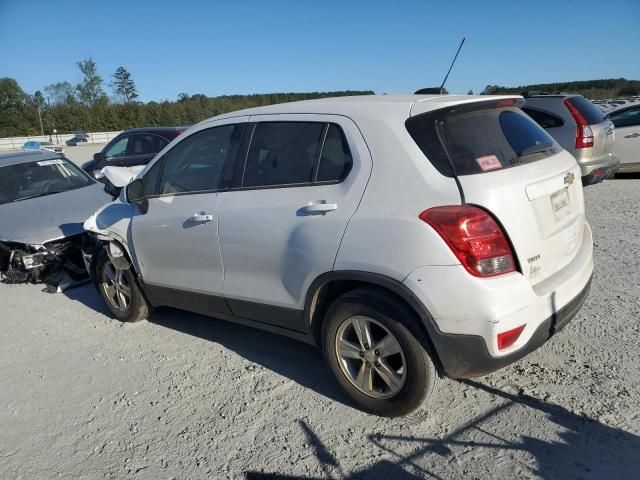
column 87, row 107
column 593, row 89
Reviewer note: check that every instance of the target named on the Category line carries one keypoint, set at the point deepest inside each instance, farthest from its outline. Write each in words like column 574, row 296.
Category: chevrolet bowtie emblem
column 569, row 178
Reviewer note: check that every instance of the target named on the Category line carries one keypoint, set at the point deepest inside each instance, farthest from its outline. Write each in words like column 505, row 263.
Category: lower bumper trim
column 467, row 356
column 630, row 167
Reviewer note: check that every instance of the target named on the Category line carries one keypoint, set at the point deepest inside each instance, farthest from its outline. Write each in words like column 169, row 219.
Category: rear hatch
column 508, row 165
column 587, row 114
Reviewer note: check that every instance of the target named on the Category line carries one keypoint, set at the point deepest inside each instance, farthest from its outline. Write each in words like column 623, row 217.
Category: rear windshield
column 36, row 179
column 588, row 110
column 476, row 141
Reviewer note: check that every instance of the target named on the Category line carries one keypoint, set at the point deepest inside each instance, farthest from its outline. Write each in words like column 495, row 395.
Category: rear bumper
column 466, row 356
column 630, row 167
column 468, row 313
column 596, row 170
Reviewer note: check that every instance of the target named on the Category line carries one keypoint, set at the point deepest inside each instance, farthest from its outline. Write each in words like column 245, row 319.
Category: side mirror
column 98, row 156
column 135, row 194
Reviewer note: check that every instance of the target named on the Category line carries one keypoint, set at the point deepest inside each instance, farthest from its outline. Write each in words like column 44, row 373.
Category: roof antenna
column 440, row 90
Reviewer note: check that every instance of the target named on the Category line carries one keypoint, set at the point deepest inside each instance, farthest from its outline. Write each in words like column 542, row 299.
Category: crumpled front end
column 58, row 263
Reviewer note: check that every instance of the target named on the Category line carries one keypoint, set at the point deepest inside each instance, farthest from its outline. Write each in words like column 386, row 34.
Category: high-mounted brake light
column 506, row 102
column 508, row 338
column 474, row 237
column 584, row 134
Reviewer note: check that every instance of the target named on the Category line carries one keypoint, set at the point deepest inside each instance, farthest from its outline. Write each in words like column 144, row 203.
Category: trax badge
column 569, row 178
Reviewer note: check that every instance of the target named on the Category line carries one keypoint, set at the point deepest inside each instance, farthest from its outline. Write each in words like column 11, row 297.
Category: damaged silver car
column 44, row 200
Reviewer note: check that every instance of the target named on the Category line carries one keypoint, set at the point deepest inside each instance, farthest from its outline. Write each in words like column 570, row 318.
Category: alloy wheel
column 116, row 287
column 371, row 357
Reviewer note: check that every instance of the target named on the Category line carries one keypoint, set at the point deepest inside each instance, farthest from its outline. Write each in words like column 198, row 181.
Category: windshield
column 477, row 141
column 36, row 179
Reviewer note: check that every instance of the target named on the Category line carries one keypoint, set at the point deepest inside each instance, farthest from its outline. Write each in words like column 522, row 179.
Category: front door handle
column 201, row 218
column 319, row 207
column 632, row 135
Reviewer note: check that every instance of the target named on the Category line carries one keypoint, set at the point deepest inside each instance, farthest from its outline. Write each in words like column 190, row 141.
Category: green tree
column 11, row 95
column 90, row 88
column 16, row 116
column 123, row 86
column 39, row 100
column 60, row 92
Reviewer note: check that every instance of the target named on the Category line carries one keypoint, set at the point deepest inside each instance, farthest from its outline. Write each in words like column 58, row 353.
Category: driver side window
column 118, row 149
column 196, row 164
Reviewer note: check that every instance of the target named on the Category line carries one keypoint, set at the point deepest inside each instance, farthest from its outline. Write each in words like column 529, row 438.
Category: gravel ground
column 184, row 396
column 83, row 153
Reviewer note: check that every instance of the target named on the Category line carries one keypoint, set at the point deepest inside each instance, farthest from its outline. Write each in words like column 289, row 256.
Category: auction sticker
column 489, row 162
column 55, row 161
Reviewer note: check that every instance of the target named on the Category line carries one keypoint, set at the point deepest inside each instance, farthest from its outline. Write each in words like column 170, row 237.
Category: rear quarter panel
column 385, row 235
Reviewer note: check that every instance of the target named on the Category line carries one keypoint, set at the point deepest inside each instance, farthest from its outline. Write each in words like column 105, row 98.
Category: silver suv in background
column 580, row 128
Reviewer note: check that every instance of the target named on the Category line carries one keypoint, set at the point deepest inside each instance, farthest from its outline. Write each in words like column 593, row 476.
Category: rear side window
column 283, row 153
column 542, row 118
column 336, row 160
column 588, row 110
column 466, row 142
column 159, row 144
column 627, row 118
column 140, row 145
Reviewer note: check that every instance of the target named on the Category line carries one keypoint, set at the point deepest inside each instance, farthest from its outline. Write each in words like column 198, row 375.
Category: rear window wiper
column 538, row 148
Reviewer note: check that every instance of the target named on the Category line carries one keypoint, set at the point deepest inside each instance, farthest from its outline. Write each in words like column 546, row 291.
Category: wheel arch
column 328, row 287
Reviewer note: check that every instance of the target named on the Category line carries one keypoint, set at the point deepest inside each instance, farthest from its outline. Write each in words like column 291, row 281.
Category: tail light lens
column 474, row 237
column 508, row 338
column 584, row 134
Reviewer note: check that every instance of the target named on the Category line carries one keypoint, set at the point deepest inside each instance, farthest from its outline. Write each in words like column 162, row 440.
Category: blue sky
column 239, row 46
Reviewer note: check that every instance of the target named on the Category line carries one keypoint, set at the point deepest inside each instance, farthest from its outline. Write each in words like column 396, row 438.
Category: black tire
column 420, row 377
column 137, row 309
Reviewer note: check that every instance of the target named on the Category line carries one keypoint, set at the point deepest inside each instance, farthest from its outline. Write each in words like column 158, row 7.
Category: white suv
column 407, row 236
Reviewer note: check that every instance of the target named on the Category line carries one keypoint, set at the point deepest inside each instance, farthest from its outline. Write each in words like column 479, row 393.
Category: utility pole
column 40, row 118
column 49, row 102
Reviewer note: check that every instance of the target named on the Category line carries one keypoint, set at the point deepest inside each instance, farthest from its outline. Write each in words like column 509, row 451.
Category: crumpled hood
column 43, row 219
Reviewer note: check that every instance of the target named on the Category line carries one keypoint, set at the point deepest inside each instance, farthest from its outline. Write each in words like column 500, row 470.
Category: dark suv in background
column 136, row 146
column 580, row 128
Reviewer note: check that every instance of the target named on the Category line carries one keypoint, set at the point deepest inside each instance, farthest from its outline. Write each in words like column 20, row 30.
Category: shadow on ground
column 585, row 449
column 271, row 351
column 263, row 348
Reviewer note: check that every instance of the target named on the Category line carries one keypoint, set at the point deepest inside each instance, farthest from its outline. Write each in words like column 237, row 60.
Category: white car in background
column 36, row 145
column 627, row 144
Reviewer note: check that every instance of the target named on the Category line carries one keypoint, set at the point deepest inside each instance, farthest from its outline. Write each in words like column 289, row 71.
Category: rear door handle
column 318, row 207
column 201, row 218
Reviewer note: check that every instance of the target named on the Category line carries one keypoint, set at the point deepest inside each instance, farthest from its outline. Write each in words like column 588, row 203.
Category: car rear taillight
column 474, row 237
column 584, row 134
column 508, row 338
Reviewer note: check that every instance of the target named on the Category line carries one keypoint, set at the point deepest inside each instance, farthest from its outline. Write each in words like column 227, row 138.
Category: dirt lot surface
column 82, row 153
column 184, row 396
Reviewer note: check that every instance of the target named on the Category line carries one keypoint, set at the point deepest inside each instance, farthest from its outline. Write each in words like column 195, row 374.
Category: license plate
column 560, row 205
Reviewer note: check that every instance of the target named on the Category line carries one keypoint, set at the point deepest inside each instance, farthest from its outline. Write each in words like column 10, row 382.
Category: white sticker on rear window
column 55, row 161
column 489, row 162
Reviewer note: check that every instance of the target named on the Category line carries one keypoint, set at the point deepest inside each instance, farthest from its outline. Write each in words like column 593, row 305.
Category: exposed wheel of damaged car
column 120, row 291
column 370, row 341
